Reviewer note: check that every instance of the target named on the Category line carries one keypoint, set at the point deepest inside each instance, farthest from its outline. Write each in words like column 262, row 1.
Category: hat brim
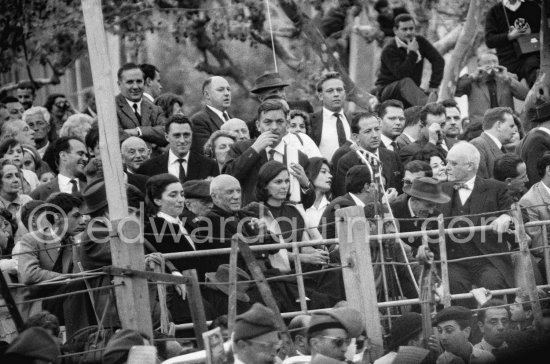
column 394, row 344
column 440, row 199
column 241, row 296
column 87, row 209
column 258, row 89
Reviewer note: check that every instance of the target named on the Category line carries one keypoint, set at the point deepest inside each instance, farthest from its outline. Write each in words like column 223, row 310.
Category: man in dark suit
column 498, row 129
column 432, row 138
column 71, row 159
column 412, row 128
column 217, row 99
column 178, row 160
column 536, row 142
column 329, row 126
column 245, row 158
column 365, row 129
column 137, row 116
column 471, row 196
column 392, row 123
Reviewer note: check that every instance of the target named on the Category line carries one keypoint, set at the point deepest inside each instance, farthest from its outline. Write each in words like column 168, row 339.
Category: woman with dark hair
column 318, row 171
column 436, row 160
column 164, row 202
column 8, row 228
column 11, row 150
column 170, row 104
column 10, row 188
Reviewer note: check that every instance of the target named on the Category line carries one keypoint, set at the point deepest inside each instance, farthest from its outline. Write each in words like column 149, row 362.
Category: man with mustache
column 179, row 160
column 217, row 98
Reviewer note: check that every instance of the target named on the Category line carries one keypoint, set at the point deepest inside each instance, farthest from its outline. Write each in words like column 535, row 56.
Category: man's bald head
column 217, row 92
column 134, row 152
column 238, row 127
column 225, row 191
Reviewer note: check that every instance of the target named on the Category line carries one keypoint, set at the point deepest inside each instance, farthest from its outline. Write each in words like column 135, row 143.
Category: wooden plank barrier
column 359, row 281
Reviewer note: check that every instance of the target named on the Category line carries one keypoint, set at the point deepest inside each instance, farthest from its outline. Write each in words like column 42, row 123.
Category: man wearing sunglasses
column 255, row 338
column 330, row 333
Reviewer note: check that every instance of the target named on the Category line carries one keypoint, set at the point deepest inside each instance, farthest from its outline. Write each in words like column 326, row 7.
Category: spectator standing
column 536, row 142
column 38, row 119
column 152, row 88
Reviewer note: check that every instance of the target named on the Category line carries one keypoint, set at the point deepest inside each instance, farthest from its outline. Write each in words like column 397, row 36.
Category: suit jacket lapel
column 317, row 126
column 477, row 198
column 214, row 118
column 145, row 112
column 126, row 109
column 495, row 151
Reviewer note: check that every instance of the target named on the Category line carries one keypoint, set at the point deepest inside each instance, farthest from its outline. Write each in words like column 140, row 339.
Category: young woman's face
column 323, row 180
column 438, row 168
column 11, row 180
column 15, row 155
column 278, row 187
column 171, row 200
column 297, row 125
column 28, row 162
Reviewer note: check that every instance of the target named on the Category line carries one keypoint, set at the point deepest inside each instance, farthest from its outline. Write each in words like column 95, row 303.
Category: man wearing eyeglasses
column 255, row 338
column 330, row 333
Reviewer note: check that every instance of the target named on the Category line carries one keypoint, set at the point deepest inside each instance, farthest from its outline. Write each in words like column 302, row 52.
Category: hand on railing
column 481, row 295
column 502, row 224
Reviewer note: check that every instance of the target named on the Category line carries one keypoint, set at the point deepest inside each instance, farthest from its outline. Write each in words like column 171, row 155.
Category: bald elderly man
column 238, row 127
column 134, row 152
column 217, row 98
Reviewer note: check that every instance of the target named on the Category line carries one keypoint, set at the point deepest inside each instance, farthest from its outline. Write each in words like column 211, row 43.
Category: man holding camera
column 490, row 86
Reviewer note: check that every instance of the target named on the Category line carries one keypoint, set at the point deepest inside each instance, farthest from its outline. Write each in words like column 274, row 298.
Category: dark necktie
column 340, row 129
column 66, row 246
column 225, row 116
column 74, row 189
column 182, row 170
column 136, row 113
column 271, row 154
column 492, row 86
column 503, row 150
column 394, row 146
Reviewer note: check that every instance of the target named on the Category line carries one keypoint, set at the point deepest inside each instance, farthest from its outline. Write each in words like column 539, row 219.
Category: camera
column 520, row 24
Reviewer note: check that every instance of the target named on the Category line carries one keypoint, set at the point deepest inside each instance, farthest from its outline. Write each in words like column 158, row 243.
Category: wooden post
column 446, row 299
column 232, row 302
column 266, row 293
column 546, row 251
column 10, row 304
column 132, row 297
column 526, row 264
column 300, row 277
column 359, row 277
column 195, row 305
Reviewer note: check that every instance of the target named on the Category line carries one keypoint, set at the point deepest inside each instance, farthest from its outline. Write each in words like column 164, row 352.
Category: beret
column 345, row 318
column 196, row 188
column 255, row 322
column 452, row 313
column 36, row 343
column 404, row 328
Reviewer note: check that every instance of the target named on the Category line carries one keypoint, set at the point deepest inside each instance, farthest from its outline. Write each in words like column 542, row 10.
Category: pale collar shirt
column 176, row 221
column 512, row 7
column 174, row 165
column 478, row 356
column 401, row 44
column 356, row 199
column 149, row 97
column 42, row 150
column 495, row 140
column 546, row 187
column 484, row 345
column 303, row 143
column 131, row 103
column 387, row 142
column 329, row 136
column 218, row 112
column 410, row 137
column 387, row 359
column 279, row 152
column 14, row 207
column 464, row 193
column 314, row 214
column 65, row 184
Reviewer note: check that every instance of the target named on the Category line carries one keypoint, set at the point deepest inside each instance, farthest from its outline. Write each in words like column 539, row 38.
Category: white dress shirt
column 465, row 193
column 304, row 143
column 176, row 221
column 329, row 136
column 148, row 97
column 218, row 112
column 279, row 152
column 314, row 214
column 131, row 103
column 410, row 137
column 65, row 184
column 174, row 166
column 387, row 142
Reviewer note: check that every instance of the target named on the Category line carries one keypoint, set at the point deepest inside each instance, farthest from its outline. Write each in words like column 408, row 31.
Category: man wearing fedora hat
column 217, row 99
column 330, row 333
column 255, row 338
column 216, row 290
column 536, row 142
column 423, row 197
column 198, row 201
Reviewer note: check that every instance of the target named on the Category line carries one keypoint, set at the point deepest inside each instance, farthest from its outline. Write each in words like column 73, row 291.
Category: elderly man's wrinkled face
column 134, row 153
column 228, row 197
column 495, row 326
column 37, row 123
column 458, row 166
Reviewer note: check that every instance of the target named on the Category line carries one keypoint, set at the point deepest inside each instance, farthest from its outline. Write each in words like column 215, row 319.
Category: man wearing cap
column 217, row 99
column 198, row 202
column 421, row 199
column 297, row 328
column 330, row 333
column 536, row 142
column 255, row 338
column 454, row 328
column 406, row 330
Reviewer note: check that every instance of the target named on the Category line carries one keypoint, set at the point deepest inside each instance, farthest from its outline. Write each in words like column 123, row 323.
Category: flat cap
column 452, row 313
column 197, row 188
column 255, row 322
column 119, row 346
column 345, row 318
column 404, row 328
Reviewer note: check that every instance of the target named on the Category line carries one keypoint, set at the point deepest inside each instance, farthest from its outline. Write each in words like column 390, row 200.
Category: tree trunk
column 316, row 40
column 465, row 42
